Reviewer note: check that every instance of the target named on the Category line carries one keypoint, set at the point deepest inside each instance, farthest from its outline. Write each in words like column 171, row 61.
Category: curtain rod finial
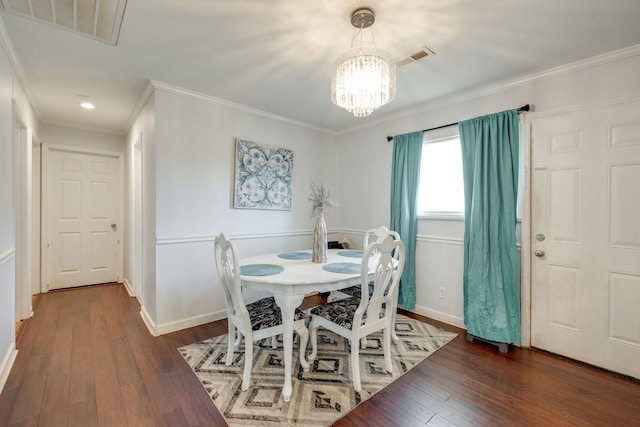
column 389, row 138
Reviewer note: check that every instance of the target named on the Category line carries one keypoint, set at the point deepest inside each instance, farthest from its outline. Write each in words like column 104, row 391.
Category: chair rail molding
column 247, row 236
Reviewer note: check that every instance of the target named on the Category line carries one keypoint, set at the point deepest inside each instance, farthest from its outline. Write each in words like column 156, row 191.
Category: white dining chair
column 372, row 235
column 375, row 235
column 255, row 321
column 356, row 318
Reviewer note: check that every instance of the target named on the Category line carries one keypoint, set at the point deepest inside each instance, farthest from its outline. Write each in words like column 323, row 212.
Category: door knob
column 114, row 227
column 539, row 253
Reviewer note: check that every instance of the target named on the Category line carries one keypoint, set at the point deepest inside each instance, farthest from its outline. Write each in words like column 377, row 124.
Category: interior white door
column 586, row 236
column 84, row 218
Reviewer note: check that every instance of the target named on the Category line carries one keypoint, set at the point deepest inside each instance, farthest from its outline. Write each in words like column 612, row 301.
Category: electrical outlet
column 443, row 293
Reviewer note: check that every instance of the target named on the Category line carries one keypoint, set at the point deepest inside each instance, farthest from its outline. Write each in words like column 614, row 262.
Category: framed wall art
column 262, row 176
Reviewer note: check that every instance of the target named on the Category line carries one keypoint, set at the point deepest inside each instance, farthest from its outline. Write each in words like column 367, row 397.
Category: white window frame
column 433, row 137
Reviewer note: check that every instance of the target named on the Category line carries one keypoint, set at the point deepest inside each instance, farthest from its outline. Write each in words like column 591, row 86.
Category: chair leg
column 355, row 365
column 303, row 332
column 274, row 342
column 363, row 343
column 248, row 364
column 394, row 336
column 231, row 345
column 313, row 336
column 386, row 344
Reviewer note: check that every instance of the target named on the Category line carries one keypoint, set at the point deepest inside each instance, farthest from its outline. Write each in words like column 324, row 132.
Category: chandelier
column 365, row 78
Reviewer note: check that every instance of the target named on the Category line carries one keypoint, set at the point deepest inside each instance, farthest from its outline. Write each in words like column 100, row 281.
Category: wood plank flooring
column 87, row 359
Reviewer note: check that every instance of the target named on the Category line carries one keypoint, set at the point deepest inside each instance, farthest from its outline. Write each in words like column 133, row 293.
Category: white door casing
column 585, row 235
column 138, row 209
column 82, row 216
column 22, row 208
column 36, row 168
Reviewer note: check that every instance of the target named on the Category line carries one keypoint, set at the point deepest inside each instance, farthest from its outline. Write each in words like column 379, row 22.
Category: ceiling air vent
column 418, row 56
column 97, row 19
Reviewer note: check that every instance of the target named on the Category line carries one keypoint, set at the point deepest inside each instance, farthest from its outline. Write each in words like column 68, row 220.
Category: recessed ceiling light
column 86, row 102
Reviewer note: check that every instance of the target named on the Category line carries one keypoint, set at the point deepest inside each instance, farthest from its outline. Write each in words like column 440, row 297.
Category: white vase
column 320, row 240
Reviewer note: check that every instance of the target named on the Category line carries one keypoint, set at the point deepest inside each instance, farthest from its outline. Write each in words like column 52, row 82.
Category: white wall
column 364, row 196
column 60, row 135
column 7, row 231
column 13, row 104
column 193, row 160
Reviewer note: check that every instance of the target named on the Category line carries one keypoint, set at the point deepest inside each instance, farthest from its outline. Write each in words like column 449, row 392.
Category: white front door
column 84, row 217
column 586, row 235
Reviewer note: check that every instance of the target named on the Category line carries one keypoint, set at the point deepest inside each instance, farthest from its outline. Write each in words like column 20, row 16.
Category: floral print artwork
column 263, row 176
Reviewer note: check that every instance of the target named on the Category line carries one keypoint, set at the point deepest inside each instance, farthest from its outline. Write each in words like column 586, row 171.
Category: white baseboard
column 151, row 326
column 128, row 287
column 7, row 364
column 440, row 316
column 178, row 325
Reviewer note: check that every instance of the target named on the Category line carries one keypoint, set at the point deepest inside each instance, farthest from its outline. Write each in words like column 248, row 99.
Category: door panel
column 586, row 222
column 84, row 192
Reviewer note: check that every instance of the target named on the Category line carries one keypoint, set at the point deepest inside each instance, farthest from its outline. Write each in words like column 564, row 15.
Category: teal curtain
column 490, row 153
column 405, row 176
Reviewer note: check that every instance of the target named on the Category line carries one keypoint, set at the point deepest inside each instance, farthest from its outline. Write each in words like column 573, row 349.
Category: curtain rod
column 523, row 108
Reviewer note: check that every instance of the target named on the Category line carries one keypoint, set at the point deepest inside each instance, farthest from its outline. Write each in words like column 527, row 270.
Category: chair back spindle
column 228, row 265
column 386, row 276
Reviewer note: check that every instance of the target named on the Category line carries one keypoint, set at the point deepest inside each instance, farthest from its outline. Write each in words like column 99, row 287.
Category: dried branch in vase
column 320, row 198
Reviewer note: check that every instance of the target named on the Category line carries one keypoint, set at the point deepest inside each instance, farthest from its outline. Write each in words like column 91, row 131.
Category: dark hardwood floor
column 87, row 359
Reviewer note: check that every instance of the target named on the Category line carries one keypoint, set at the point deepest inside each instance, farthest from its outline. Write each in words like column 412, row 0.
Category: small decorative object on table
column 345, row 242
column 320, row 199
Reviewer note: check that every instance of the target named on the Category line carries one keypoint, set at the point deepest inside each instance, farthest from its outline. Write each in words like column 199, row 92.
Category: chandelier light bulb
column 363, row 82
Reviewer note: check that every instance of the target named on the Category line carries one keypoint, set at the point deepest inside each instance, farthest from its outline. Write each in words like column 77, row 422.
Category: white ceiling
column 278, row 55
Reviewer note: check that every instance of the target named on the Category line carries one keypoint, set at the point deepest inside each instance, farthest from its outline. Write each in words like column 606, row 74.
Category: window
column 441, row 188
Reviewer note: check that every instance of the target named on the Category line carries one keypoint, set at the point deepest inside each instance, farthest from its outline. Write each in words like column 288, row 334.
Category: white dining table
column 289, row 276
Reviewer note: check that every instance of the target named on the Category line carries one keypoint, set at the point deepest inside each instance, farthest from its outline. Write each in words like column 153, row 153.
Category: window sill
column 441, row 216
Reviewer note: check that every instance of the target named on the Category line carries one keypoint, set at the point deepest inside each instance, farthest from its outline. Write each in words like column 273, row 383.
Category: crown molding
column 7, row 45
column 503, row 85
column 239, row 107
column 146, row 94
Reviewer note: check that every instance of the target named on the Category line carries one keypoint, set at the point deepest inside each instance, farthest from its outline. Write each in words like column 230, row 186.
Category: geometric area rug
column 321, row 395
